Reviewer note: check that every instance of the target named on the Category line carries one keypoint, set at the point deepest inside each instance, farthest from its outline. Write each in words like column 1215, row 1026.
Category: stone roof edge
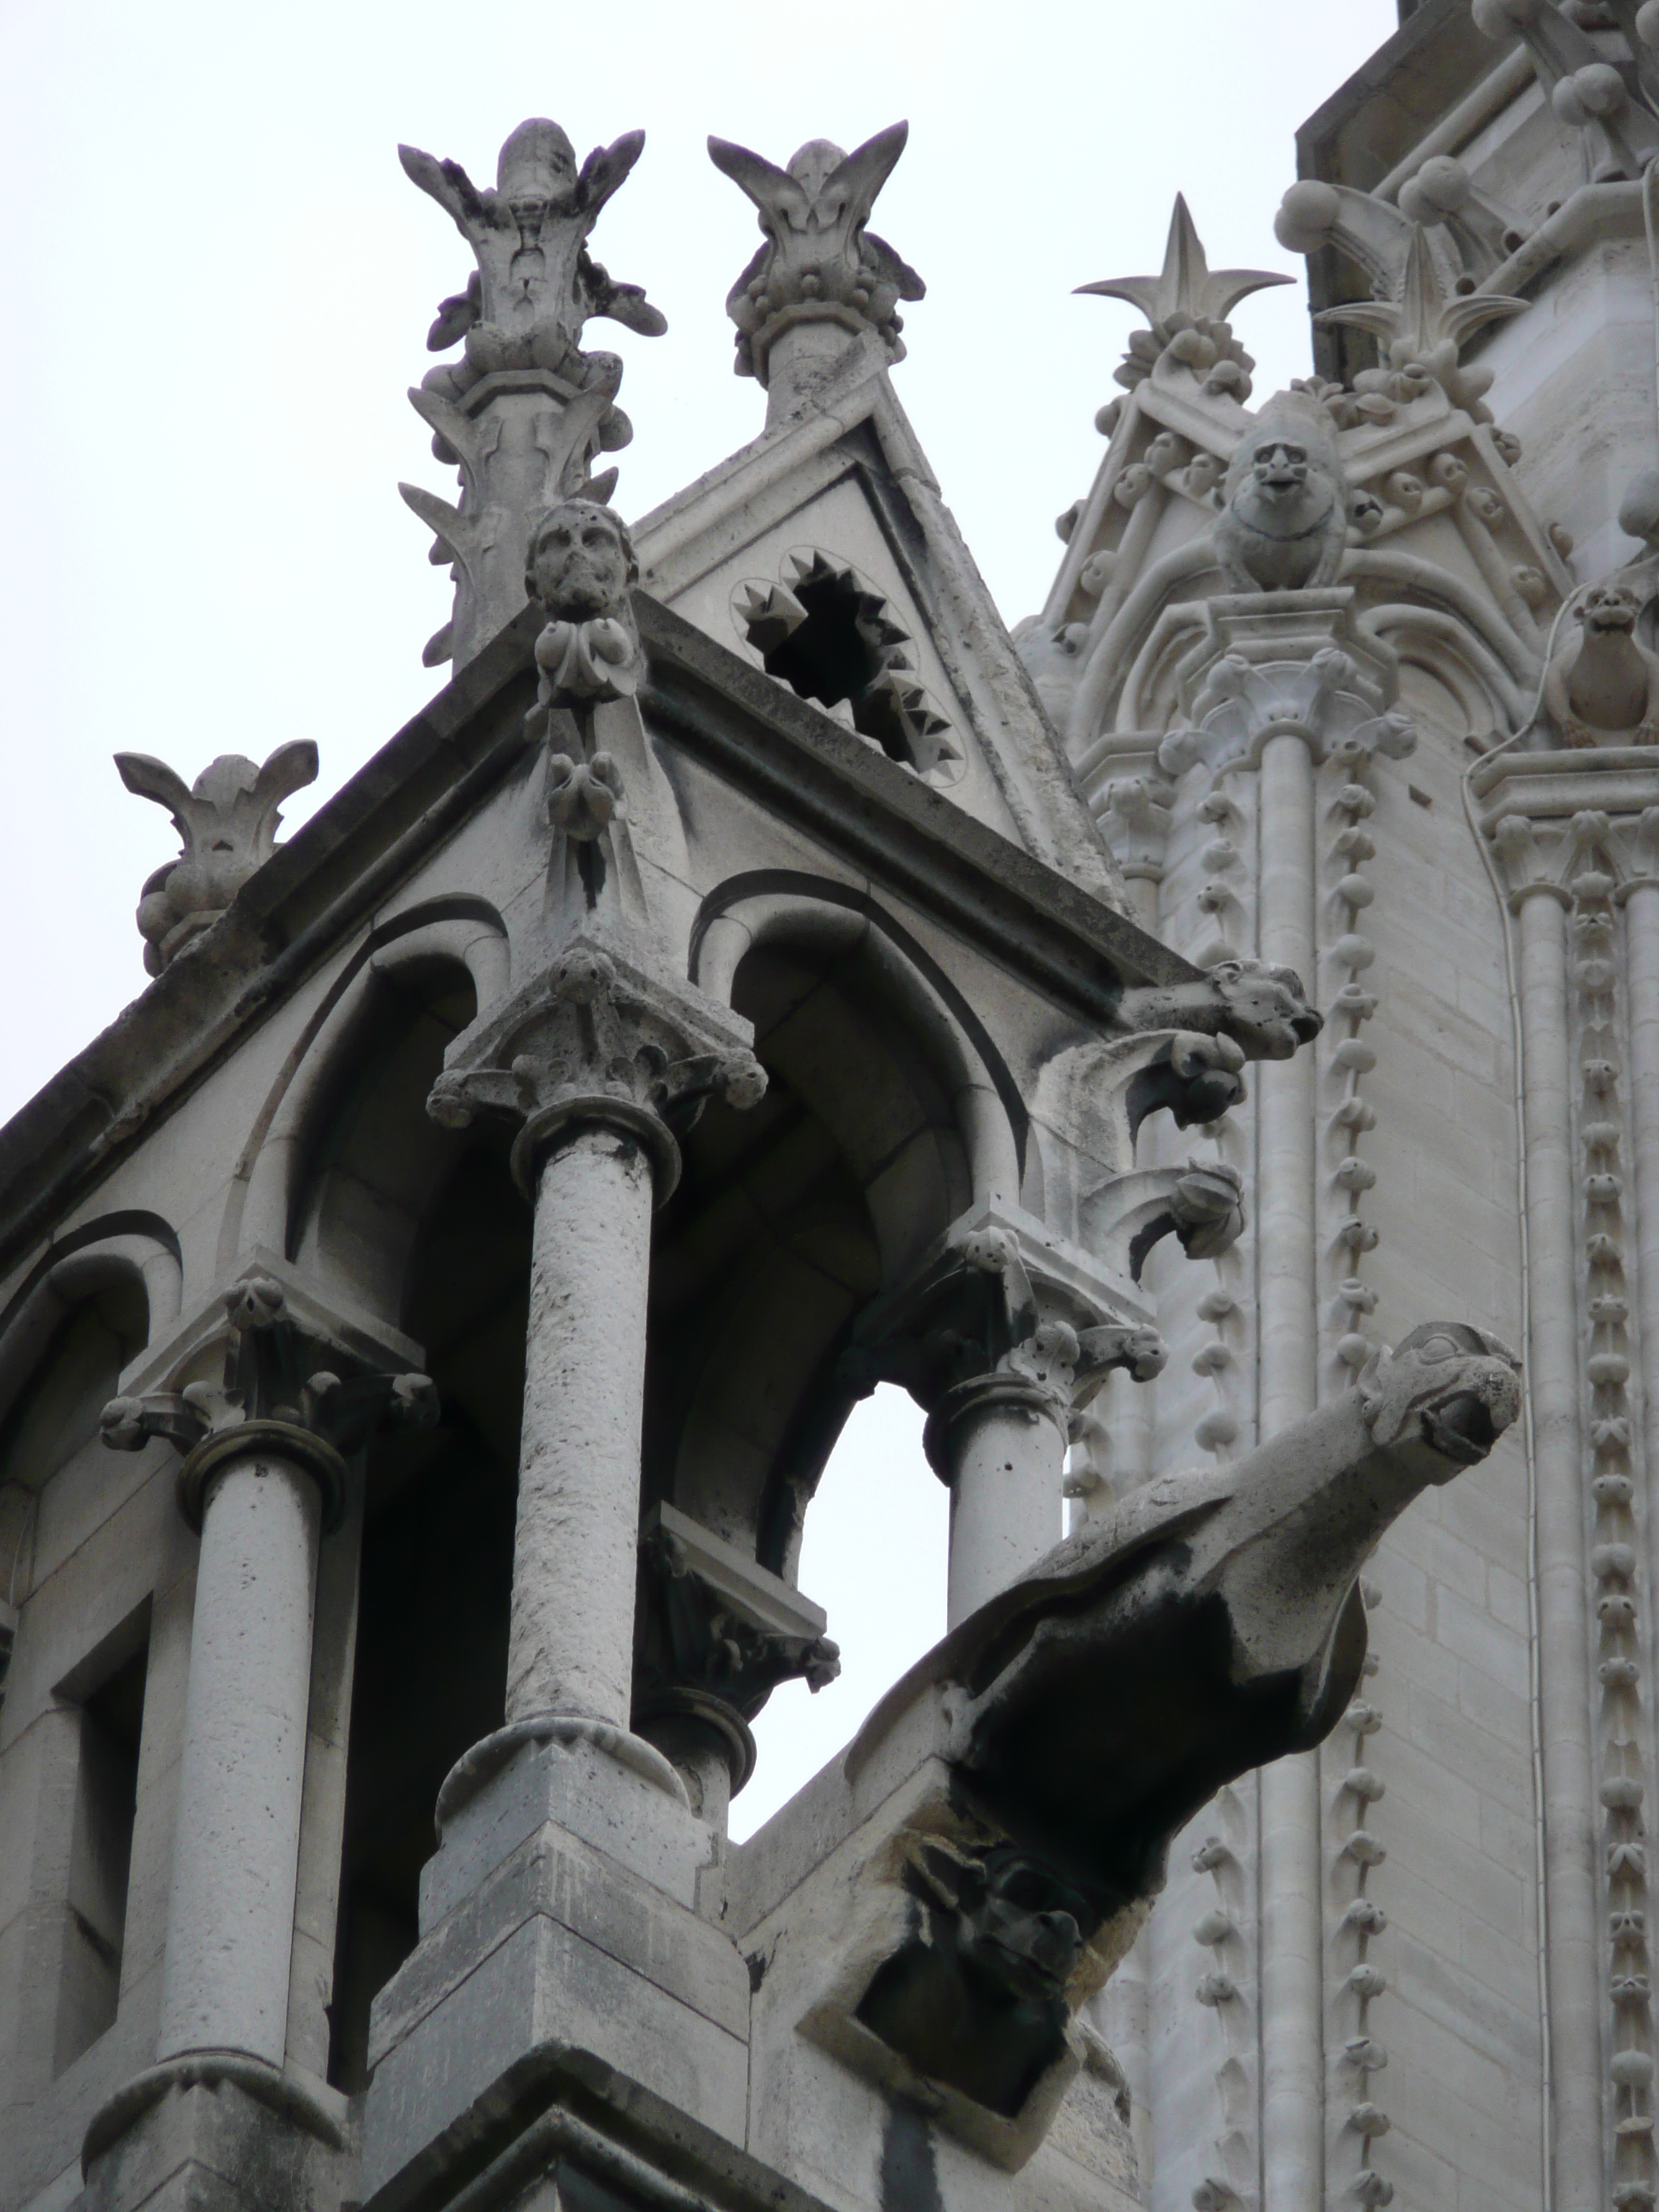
column 366, row 840
column 865, row 397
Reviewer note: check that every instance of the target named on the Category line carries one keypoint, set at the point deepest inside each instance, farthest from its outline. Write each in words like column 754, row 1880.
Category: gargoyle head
column 1281, row 469
column 1265, row 1009
column 1606, row 609
column 580, row 563
column 1455, row 1386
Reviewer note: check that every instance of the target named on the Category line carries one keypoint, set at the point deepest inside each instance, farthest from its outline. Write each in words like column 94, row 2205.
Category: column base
column 562, row 1905
column 215, row 2131
column 487, row 1758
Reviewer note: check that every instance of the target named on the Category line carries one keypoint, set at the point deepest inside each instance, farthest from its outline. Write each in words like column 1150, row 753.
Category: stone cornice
column 1553, row 786
column 369, row 838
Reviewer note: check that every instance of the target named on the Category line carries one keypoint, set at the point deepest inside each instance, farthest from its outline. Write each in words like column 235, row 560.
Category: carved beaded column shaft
column 263, row 1480
column 593, row 1061
column 1563, row 1624
column 1292, row 1936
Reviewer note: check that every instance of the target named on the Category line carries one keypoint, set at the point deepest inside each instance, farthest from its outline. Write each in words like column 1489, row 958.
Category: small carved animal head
column 581, row 562
column 1015, row 1923
column 1608, row 609
column 1266, row 1009
column 1455, row 1387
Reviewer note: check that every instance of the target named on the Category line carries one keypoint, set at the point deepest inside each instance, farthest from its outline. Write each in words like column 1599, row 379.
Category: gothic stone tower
column 1364, row 682
column 428, row 1311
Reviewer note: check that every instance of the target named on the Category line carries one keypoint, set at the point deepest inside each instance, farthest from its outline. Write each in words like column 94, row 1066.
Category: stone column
column 571, row 1646
column 998, row 1441
column 260, row 1502
column 589, row 1060
column 263, row 1480
column 1570, row 1796
column 1292, row 1927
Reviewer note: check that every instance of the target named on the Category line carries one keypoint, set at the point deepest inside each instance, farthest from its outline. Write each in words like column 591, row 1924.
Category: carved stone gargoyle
column 1210, row 1624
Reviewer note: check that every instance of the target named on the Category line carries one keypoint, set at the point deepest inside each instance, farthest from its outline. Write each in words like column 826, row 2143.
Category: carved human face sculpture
column 1607, row 609
column 1280, row 469
column 581, row 562
column 1460, row 1389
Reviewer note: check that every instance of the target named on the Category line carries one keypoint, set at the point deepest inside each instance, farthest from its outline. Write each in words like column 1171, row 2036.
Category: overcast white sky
column 219, row 282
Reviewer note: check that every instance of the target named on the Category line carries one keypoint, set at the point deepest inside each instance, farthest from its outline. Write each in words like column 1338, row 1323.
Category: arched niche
column 89, row 1306
column 343, row 1159
column 888, row 1115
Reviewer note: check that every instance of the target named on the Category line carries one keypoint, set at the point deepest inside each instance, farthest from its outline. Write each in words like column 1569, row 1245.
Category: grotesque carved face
column 1267, row 1011
column 1019, row 1932
column 1281, row 468
column 1458, row 1388
column 581, row 562
column 1607, row 609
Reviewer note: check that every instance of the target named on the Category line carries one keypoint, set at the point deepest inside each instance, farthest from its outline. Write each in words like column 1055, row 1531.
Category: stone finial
column 525, row 411
column 1424, row 310
column 1285, row 523
column 1186, row 305
column 819, row 265
column 227, row 822
column 535, row 286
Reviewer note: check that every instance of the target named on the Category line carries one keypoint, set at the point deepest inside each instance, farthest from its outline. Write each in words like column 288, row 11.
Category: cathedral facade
column 1202, row 1043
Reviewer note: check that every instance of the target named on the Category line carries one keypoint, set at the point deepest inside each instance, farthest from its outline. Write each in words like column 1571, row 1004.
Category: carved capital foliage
column 717, row 1633
column 271, row 1392
column 227, row 822
column 1286, row 664
column 596, row 1039
column 819, row 262
column 975, row 1324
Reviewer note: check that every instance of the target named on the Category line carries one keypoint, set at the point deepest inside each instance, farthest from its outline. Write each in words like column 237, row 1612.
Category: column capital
column 245, row 1374
column 596, row 1040
column 999, row 1316
column 1286, row 664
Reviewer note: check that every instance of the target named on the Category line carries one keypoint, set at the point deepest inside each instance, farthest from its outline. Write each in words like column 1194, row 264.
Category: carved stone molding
column 1280, row 662
column 227, row 822
column 596, row 1038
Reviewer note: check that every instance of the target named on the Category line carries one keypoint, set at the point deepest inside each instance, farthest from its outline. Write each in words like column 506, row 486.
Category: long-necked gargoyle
column 1209, row 1625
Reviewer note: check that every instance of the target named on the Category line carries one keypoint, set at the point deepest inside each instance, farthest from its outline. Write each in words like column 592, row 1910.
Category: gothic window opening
column 827, row 634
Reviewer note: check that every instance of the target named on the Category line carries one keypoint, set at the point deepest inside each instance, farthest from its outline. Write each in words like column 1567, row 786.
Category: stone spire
column 524, row 411
column 821, row 281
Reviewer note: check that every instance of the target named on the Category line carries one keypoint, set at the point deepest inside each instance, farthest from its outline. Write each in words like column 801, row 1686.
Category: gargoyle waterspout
column 1210, row 1625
